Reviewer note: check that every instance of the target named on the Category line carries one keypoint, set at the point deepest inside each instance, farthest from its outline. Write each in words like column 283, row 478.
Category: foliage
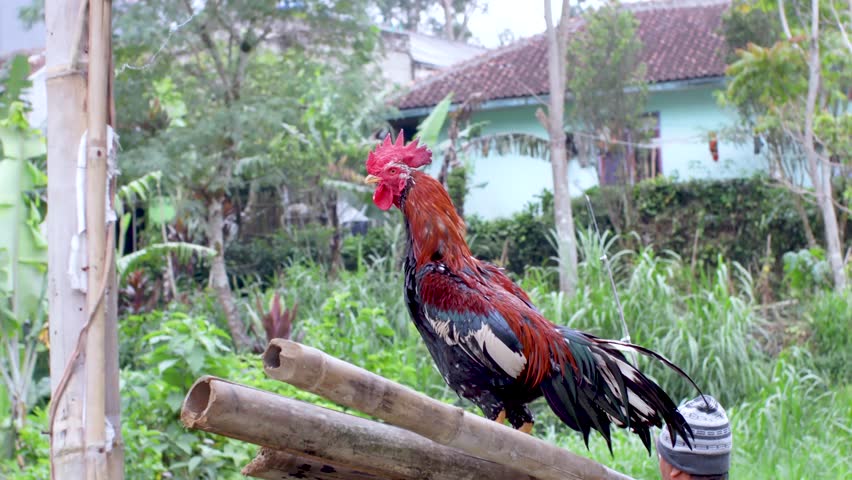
column 806, row 271
column 747, row 22
column 13, row 78
column 606, row 75
column 794, row 94
column 429, row 129
column 415, row 15
column 796, row 415
column 264, row 257
column 524, row 236
column 829, row 315
column 23, row 262
column 698, row 220
column 157, row 251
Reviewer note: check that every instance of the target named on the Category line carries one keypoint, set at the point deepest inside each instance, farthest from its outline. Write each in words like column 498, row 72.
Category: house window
column 633, row 161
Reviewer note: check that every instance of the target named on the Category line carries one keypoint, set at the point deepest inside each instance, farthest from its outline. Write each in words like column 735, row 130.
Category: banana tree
column 141, row 190
column 23, row 259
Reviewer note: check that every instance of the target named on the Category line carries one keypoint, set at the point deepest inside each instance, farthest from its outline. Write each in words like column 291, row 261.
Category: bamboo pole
column 273, row 464
column 270, row 420
column 96, row 177
column 66, row 120
column 343, row 383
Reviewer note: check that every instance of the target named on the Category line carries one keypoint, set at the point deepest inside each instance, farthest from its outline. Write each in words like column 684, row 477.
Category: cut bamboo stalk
column 281, row 423
column 343, row 383
column 273, row 464
column 66, row 122
column 96, row 175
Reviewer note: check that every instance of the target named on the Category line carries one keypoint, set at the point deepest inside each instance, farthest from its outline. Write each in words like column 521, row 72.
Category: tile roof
column 682, row 40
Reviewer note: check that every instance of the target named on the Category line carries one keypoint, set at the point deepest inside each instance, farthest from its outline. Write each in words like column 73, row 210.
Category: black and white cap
column 711, row 448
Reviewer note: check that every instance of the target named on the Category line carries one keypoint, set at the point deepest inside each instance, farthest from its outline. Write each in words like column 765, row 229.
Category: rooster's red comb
column 414, row 155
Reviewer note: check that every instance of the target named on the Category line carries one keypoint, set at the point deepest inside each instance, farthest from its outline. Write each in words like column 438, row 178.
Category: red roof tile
column 682, row 40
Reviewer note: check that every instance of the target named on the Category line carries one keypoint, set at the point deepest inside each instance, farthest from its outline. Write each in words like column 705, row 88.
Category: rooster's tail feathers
column 600, row 387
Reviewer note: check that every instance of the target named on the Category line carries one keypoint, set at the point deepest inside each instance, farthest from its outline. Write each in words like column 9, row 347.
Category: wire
column 605, row 259
column 172, row 29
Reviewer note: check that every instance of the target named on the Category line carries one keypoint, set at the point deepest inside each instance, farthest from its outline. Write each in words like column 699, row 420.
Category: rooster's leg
column 501, row 417
column 520, row 417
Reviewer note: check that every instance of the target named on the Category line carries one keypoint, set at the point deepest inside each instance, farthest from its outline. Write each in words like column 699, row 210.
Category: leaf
column 128, row 263
column 166, row 364
column 385, row 331
column 14, row 80
column 430, row 128
column 193, row 463
column 195, row 361
column 161, row 211
column 137, row 190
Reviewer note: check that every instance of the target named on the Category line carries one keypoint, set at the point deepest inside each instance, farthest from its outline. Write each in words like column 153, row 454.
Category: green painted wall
column 686, row 117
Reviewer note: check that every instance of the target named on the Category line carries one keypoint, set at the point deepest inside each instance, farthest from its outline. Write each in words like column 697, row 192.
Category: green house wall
column 504, row 184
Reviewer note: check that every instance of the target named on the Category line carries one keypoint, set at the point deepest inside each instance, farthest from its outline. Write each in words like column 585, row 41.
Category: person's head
column 710, row 456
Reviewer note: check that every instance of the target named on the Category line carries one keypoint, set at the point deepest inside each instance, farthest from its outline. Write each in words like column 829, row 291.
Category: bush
column 698, row 220
column 261, row 258
column 806, row 271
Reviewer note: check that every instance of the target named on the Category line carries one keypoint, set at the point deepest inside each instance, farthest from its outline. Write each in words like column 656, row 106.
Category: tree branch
column 214, row 53
column 840, row 25
column 783, row 15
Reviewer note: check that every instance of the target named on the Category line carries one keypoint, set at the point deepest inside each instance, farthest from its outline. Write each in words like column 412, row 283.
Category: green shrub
column 806, row 271
column 829, row 315
column 261, row 258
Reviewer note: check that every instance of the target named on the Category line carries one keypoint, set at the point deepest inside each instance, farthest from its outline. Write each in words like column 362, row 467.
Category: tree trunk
column 806, row 223
column 336, row 244
column 820, row 169
column 447, row 6
column 219, row 275
column 555, row 124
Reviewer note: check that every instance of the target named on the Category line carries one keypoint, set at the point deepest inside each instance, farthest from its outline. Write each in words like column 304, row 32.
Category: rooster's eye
column 392, row 171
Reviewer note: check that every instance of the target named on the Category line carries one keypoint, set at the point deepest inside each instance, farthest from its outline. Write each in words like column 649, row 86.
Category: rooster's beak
column 372, row 179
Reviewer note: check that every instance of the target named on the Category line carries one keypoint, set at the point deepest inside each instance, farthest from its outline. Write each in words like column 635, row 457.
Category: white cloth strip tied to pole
column 78, row 259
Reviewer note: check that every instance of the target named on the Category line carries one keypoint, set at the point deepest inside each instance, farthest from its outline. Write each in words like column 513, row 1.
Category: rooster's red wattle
column 490, row 343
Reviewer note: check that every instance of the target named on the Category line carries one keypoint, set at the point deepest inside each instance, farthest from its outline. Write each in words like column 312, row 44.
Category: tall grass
column 796, row 427
column 706, row 324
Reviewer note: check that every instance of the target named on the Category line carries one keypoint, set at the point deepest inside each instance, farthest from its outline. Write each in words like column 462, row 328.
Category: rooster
column 490, row 343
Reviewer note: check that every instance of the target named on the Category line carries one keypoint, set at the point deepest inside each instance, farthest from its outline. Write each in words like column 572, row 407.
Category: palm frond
column 184, row 251
column 137, row 190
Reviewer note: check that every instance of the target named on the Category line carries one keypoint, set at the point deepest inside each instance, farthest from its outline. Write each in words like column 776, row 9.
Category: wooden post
column 343, row 383
column 96, row 177
column 270, row 420
column 66, row 120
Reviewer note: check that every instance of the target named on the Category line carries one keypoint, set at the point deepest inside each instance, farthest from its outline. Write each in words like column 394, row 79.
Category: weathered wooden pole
column 84, row 444
column 343, row 383
column 66, row 123
column 96, row 192
column 281, row 423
